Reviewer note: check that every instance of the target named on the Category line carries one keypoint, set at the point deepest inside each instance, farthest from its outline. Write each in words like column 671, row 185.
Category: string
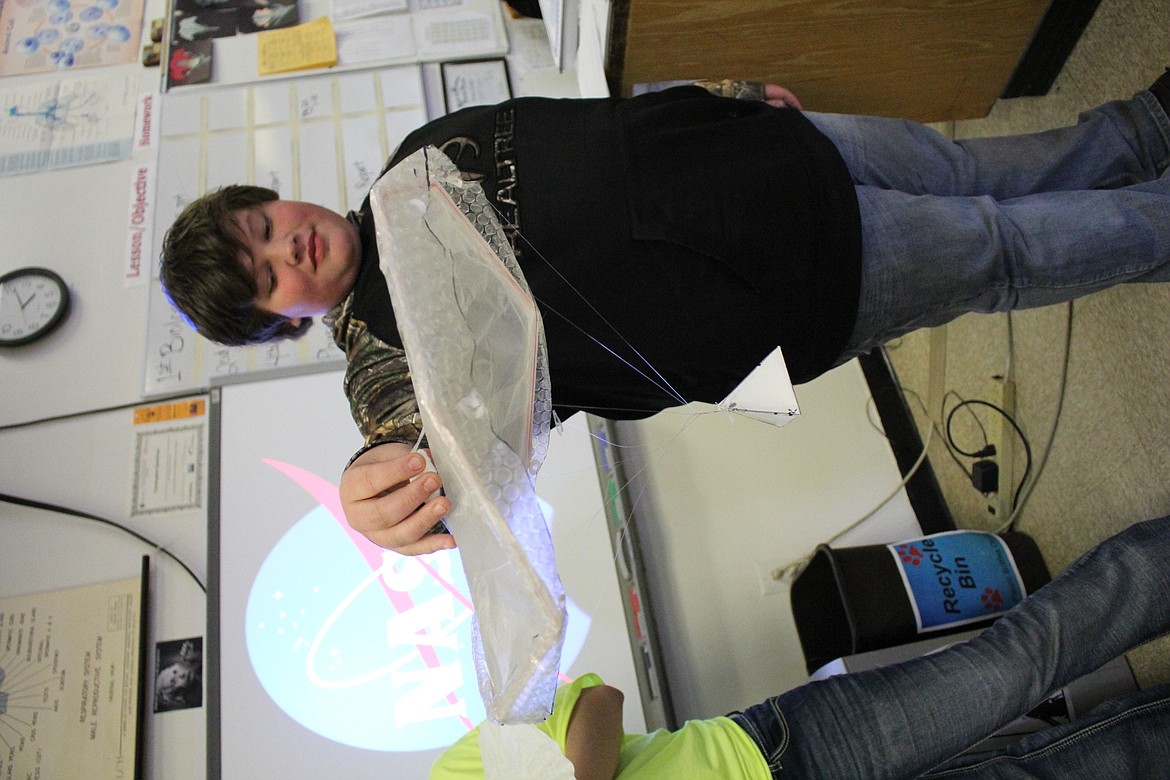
column 669, row 388
column 791, row 570
column 627, row 527
column 786, row 572
column 662, row 383
column 665, row 386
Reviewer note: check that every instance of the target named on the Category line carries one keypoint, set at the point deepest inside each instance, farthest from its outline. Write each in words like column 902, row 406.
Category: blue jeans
column 912, row 719
column 994, row 224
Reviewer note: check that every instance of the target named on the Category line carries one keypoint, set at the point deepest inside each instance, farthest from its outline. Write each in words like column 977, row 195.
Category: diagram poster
column 75, row 121
column 69, row 681
column 57, row 35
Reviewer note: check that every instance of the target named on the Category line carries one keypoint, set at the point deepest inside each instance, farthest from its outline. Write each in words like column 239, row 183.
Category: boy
column 674, row 239
column 912, row 719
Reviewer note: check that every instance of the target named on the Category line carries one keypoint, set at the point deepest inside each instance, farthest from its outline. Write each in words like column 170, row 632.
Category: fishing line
column 666, row 385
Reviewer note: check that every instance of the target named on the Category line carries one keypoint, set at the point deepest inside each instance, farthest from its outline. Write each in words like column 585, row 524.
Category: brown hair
column 204, row 279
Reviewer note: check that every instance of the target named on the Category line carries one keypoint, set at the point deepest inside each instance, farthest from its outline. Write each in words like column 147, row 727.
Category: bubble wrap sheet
column 475, row 345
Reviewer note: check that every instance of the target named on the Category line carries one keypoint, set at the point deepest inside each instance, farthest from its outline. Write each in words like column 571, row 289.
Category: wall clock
column 33, row 301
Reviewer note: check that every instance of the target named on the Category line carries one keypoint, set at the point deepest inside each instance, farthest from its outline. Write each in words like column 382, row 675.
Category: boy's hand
column 780, row 97
column 383, row 505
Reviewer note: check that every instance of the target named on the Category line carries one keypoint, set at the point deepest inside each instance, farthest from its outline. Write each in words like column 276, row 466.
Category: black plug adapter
column 985, row 476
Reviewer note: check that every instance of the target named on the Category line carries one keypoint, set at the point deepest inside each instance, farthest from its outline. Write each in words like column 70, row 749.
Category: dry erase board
column 359, row 657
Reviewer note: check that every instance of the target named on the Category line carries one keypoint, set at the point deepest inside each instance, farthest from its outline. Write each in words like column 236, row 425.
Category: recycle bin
column 851, row 600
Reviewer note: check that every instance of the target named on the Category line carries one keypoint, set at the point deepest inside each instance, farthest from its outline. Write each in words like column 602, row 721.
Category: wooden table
column 929, row 60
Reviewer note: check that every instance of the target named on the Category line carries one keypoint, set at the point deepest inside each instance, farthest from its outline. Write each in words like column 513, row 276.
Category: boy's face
column 303, row 257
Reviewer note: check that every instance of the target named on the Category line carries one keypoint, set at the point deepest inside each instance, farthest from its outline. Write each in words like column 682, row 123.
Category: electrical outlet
column 769, row 583
column 1002, row 435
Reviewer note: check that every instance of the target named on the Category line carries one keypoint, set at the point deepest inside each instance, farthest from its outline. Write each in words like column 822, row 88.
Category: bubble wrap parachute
column 475, row 345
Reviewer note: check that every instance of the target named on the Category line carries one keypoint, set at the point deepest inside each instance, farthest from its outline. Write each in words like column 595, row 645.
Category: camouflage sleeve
column 732, row 88
column 377, row 383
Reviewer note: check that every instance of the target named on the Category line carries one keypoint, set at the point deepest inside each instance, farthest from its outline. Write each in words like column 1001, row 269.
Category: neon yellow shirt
column 714, row 748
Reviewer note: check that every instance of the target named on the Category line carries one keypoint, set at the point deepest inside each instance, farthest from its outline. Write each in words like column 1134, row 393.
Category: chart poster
column 69, row 682
column 62, row 35
column 73, row 121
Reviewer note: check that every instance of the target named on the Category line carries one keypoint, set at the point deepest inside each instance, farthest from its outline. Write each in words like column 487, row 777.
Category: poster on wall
column 196, row 23
column 169, row 458
column 58, row 35
column 189, row 63
column 69, row 681
column 59, row 124
column 475, row 83
column 195, row 20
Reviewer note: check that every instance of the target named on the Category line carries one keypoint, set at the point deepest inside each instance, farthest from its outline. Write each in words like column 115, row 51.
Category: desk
column 929, row 61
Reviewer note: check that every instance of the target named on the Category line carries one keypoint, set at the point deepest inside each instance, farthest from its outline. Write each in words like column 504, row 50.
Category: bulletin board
column 321, row 138
column 369, row 33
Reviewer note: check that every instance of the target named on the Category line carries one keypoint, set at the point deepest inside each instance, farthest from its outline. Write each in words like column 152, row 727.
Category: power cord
column 953, row 449
column 34, row 504
column 1026, row 487
column 103, row 410
column 791, row 570
column 988, row 450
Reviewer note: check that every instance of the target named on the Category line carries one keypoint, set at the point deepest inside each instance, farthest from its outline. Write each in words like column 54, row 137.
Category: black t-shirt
column 675, row 238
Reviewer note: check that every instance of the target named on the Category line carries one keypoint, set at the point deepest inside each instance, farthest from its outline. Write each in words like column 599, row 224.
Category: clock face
column 33, row 301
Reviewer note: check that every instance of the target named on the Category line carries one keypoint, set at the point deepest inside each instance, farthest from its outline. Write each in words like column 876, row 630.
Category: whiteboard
column 303, row 626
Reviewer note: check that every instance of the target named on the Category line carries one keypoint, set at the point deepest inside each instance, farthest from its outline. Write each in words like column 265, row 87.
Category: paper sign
column 305, row 46
column 958, row 577
column 69, row 681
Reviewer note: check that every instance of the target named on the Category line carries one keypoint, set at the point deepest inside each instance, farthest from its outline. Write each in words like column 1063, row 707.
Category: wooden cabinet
column 929, row 60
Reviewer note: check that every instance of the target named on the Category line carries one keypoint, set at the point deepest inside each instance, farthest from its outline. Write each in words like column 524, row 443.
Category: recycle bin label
column 957, row 577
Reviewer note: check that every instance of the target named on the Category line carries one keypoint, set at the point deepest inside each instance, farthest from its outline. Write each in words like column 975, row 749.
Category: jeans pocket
column 765, row 724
